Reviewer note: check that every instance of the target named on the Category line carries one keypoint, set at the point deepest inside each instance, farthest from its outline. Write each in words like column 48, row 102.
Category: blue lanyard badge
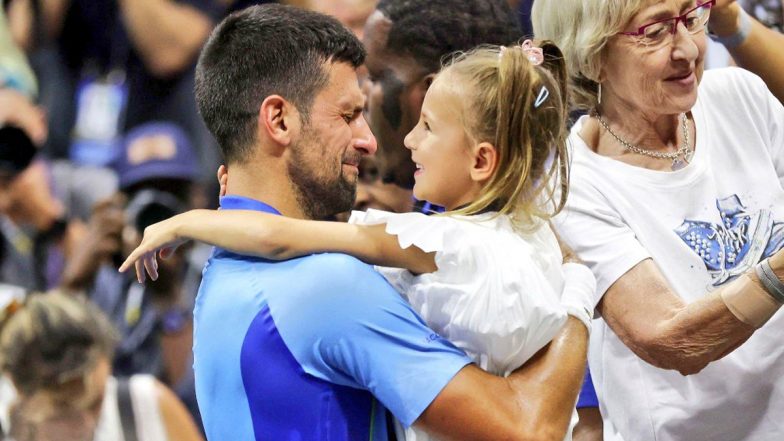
column 101, row 104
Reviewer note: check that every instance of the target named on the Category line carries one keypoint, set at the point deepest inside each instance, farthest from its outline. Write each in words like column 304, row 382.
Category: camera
column 16, row 151
column 150, row 206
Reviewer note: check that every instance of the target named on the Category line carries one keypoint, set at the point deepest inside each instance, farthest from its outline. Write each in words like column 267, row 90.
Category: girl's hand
column 160, row 238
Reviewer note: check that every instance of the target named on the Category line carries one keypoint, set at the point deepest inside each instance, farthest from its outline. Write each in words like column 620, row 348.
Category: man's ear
column 485, row 161
column 278, row 120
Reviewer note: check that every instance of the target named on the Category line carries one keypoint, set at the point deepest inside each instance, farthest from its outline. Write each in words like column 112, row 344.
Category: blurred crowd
column 99, row 138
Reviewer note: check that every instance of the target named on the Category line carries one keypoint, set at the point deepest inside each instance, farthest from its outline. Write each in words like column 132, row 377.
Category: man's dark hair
column 431, row 30
column 261, row 51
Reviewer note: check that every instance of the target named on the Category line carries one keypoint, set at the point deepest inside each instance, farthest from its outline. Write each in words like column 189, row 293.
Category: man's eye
column 426, row 125
column 348, row 118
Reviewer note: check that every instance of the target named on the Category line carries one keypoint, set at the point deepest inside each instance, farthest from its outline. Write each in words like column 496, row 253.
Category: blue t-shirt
column 312, row 348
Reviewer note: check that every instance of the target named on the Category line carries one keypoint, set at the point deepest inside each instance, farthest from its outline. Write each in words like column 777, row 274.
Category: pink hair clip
column 534, row 54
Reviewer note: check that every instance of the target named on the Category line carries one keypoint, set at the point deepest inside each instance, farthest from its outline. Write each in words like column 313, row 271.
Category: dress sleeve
column 750, row 98
column 774, row 111
column 488, row 296
column 598, row 235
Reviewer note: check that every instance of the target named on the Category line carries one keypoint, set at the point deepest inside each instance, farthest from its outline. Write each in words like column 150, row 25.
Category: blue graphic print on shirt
column 738, row 243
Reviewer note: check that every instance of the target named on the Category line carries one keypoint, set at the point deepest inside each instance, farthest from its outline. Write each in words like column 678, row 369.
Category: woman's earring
column 599, row 94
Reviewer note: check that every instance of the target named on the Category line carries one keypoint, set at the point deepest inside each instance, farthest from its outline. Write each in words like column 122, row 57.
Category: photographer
column 157, row 169
column 25, row 224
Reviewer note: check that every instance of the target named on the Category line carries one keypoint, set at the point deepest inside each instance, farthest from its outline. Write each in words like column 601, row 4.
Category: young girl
column 488, row 273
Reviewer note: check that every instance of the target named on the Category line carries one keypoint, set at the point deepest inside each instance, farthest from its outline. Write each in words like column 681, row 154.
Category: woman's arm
column 274, row 237
column 663, row 330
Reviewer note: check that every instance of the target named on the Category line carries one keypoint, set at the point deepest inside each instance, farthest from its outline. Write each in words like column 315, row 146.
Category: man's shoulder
column 331, row 275
column 337, row 267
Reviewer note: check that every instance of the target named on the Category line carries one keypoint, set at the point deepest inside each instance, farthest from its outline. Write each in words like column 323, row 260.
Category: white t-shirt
column 702, row 225
column 496, row 292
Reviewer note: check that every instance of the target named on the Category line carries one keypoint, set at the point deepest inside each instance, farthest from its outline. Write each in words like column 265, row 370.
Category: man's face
column 324, row 159
column 395, row 90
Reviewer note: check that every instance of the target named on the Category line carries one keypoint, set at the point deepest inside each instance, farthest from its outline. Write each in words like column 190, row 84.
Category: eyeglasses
column 660, row 32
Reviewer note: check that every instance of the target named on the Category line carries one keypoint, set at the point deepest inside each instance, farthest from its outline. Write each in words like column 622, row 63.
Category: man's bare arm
column 535, row 402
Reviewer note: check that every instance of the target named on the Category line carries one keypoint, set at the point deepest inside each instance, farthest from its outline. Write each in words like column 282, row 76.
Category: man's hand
column 102, row 241
column 17, row 110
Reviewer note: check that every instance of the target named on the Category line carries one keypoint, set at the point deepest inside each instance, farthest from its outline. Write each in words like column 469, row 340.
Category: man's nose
column 363, row 137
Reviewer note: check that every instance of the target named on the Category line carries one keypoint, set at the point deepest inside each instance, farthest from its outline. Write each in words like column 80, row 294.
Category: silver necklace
column 680, row 158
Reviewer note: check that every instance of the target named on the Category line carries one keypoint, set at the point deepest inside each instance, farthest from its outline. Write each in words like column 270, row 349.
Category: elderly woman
column 677, row 205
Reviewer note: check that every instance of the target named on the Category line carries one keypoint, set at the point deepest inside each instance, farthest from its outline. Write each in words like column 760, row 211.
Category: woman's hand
column 162, row 239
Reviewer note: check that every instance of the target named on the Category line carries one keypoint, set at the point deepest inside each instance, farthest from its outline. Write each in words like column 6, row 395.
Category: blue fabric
column 313, row 348
column 587, row 396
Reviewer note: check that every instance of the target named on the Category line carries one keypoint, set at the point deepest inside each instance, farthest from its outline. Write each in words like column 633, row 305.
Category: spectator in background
column 236, row 5
column 27, row 209
column 63, row 377
column 405, row 41
column 352, row 13
column 157, row 173
column 752, row 45
column 118, row 64
column 768, row 12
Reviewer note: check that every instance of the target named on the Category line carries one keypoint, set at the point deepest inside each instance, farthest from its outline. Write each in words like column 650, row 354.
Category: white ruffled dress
column 496, row 291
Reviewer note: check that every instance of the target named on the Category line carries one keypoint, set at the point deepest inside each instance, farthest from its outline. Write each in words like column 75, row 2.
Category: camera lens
column 151, row 214
column 150, row 206
column 16, row 150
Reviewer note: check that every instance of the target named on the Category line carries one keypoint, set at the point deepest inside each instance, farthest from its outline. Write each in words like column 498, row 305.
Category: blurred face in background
column 395, row 89
column 29, row 199
column 373, row 193
column 352, row 13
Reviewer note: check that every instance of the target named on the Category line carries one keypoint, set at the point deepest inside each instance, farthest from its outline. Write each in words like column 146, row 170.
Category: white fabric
column 144, row 396
column 729, row 198
column 579, row 293
column 495, row 293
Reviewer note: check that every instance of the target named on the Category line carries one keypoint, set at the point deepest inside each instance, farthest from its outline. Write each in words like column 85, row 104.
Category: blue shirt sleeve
column 345, row 324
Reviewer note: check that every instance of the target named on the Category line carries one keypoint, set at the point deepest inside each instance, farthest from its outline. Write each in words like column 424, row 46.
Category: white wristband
column 579, row 293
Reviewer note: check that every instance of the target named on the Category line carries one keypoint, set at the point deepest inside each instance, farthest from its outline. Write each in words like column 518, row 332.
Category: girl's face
column 441, row 149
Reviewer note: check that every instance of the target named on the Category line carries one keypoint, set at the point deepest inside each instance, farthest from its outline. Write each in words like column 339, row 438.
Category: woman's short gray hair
column 581, row 29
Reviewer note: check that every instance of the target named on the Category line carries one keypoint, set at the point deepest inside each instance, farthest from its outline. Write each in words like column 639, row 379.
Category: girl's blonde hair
column 582, row 28
column 52, row 339
column 521, row 109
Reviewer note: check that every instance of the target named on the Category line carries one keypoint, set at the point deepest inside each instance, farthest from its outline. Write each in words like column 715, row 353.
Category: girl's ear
column 485, row 161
